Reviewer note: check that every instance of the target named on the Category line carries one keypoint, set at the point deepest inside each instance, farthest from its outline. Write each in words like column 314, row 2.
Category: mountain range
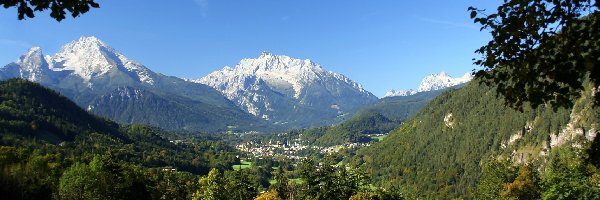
column 105, row 82
column 270, row 92
column 265, row 93
column 433, row 82
column 286, row 90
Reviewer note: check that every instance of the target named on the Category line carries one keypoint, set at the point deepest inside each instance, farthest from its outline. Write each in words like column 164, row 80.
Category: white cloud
column 203, row 4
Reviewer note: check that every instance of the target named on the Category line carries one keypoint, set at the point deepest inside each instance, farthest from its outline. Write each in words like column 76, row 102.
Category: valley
column 402, row 139
column 310, row 118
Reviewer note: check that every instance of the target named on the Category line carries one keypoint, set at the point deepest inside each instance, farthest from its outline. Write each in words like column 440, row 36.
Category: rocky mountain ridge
column 93, row 74
column 285, row 90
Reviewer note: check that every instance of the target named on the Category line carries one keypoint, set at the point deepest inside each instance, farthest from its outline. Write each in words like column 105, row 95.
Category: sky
column 381, row 44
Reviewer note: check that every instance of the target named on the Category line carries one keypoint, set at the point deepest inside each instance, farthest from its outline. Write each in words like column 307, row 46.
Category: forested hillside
column 401, row 108
column 47, row 141
column 52, row 149
column 356, row 129
column 440, row 152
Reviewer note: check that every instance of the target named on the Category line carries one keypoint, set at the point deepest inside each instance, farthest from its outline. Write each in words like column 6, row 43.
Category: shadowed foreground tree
column 541, row 52
column 26, row 8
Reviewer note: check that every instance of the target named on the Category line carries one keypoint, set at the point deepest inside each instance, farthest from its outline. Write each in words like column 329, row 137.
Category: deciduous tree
column 59, row 8
column 541, row 51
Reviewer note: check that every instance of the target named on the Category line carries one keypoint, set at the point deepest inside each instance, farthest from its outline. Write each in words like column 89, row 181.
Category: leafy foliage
column 568, row 177
column 268, row 196
column 211, row 187
column 103, row 178
column 565, row 176
column 494, row 176
column 541, row 51
column 26, row 8
column 328, row 182
column 525, row 186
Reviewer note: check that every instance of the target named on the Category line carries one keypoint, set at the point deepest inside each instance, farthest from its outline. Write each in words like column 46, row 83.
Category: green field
column 379, row 138
column 243, row 165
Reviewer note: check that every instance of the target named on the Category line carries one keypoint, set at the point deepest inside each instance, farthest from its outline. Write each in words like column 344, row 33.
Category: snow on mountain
column 272, row 86
column 31, row 66
column 103, row 80
column 89, row 58
column 282, row 72
column 441, row 81
column 433, row 82
column 393, row 93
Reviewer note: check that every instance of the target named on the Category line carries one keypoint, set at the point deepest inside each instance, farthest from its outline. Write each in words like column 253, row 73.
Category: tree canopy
column 541, row 52
column 26, row 8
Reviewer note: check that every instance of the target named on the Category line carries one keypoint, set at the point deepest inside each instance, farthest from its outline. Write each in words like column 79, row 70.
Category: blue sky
column 382, row 44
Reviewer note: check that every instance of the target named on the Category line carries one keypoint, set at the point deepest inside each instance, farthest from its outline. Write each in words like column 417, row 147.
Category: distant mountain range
column 105, row 82
column 403, row 107
column 433, row 82
column 286, row 90
column 271, row 92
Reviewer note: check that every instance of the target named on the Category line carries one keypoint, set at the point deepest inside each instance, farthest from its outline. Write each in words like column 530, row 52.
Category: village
column 291, row 150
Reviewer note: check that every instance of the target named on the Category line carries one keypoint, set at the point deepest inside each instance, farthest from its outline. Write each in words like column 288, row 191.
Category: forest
column 52, row 149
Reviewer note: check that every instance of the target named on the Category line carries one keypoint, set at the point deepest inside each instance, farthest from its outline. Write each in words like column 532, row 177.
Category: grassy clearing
column 379, row 138
column 243, row 165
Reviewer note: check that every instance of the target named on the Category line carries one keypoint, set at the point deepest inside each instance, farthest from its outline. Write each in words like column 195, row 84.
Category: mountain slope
column 285, row 90
column 33, row 111
column 381, row 117
column 88, row 71
column 36, row 117
column 438, row 153
column 142, row 106
column 401, row 108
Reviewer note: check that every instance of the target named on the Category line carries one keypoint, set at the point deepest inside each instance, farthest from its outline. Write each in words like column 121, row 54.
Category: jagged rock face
column 289, row 90
column 91, row 73
column 433, row 82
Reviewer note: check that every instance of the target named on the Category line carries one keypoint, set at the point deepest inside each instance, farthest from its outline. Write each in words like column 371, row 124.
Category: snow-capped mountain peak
column 32, row 65
column 393, row 93
column 270, row 85
column 90, row 57
column 87, row 57
column 33, row 54
column 107, row 83
column 433, row 82
column 441, row 81
column 279, row 71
